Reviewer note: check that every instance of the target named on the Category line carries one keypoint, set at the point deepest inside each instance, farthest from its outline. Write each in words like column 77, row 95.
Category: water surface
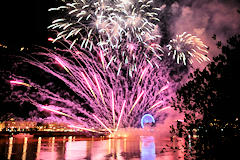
column 76, row 148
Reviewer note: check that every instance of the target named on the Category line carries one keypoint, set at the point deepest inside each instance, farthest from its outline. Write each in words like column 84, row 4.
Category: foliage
column 207, row 102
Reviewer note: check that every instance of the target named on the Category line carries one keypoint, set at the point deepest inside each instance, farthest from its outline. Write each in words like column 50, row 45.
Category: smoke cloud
column 205, row 18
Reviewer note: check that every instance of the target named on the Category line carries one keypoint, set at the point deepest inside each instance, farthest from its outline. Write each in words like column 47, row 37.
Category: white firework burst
column 107, row 22
column 187, row 47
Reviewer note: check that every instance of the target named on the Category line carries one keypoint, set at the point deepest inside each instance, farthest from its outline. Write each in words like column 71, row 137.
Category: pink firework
column 110, row 99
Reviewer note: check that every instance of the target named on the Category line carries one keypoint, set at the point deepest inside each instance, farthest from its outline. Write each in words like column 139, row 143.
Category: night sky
column 25, row 22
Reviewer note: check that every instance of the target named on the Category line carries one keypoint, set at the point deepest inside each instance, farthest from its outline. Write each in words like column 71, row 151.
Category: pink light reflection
column 47, row 151
column 76, row 150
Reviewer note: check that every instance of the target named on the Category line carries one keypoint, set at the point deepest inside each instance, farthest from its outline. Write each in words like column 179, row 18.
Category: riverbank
column 55, row 134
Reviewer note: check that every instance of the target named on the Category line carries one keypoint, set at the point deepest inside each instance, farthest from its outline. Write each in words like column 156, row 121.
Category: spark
column 50, row 39
column 102, row 58
column 63, row 65
column 163, row 89
column 180, row 120
column 119, row 120
column 55, row 111
column 113, row 112
column 139, row 97
column 99, row 89
column 89, row 86
column 162, row 109
column 84, row 129
column 102, row 123
column 143, row 73
column 156, row 104
column 20, row 83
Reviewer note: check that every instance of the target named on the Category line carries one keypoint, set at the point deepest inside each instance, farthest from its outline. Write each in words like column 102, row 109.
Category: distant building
column 2, row 125
column 59, row 127
column 20, row 125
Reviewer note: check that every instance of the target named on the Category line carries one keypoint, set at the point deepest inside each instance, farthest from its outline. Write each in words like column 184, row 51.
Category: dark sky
column 24, row 22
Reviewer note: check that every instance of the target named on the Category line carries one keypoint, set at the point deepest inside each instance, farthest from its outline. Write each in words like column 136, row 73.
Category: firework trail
column 20, row 83
column 187, row 47
column 111, row 101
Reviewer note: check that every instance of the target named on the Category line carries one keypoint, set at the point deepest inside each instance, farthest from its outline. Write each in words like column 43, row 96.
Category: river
column 76, row 148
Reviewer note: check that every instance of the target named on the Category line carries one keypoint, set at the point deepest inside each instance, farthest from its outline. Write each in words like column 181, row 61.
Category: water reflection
column 76, row 148
column 147, row 148
column 24, row 148
column 38, row 147
column 10, row 145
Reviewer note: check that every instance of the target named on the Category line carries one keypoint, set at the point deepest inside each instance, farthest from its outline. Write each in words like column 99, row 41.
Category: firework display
column 117, row 100
column 187, row 47
column 115, row 69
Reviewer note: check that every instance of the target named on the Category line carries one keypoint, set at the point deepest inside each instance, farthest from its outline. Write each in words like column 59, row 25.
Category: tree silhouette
column 208, row 102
